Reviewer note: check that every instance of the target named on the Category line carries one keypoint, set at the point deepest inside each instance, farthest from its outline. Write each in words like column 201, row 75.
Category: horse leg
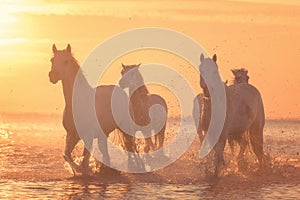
column 102, row 145
column 85, row 162
column 200, row 135
column 160, row 138
column 135, row 162
column 219, row 157
column 197, row 113
column 256, row 139
column 71, row 140
column 129, row 143
column 148, row 144
column 243, row 145
column 86, row 158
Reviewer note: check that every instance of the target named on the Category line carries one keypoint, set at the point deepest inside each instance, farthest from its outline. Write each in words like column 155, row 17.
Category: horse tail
column 256, row 132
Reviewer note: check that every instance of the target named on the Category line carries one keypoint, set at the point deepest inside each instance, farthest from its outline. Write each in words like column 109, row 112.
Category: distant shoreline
column 40, row 116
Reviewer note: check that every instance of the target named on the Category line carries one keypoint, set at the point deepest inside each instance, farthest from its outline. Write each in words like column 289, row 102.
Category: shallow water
column 75, row 190
column 32, row 166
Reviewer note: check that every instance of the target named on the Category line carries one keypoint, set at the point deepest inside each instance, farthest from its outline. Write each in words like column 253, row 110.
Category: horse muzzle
column 123, row 84
column 53, row 77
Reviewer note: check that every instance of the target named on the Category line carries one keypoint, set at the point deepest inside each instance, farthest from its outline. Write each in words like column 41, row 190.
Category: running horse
column 245, row 112
column 240, row 76
column 65, row 68
column 140, row 103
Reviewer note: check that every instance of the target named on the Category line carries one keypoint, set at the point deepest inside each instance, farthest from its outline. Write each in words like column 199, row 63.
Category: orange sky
column 262, row 37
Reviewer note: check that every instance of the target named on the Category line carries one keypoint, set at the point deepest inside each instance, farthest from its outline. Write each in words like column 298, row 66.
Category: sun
column 6, row 20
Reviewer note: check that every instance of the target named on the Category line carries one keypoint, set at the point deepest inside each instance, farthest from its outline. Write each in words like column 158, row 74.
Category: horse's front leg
column 85, row 162
column 71, row 141
column 219, row 156
column 102, row 145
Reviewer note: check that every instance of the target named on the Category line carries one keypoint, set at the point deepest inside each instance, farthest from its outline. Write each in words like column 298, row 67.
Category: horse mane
column 78, row 71
column 142, row 90
column 240, row 75
column 75, row 61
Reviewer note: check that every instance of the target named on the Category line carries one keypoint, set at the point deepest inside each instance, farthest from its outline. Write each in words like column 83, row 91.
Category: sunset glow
column 262, row 36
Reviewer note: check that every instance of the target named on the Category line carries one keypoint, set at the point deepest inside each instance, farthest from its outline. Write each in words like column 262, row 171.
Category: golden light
column 6, row 20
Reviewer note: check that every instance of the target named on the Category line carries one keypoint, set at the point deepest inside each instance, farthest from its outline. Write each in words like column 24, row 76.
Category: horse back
column 156, row 99
column 245, row 107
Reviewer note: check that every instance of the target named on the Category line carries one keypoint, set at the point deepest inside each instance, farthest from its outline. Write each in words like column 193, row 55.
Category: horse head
column 62, row 63
column 130, row 76
column 208, row 67
column 240, row 75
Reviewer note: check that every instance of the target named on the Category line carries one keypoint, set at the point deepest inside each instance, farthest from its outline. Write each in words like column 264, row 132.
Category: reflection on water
column 68, row 189
column 32, row 166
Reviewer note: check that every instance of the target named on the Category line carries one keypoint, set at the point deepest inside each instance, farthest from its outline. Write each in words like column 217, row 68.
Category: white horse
column 245, row 111
column 65, row 68
column 141, row 100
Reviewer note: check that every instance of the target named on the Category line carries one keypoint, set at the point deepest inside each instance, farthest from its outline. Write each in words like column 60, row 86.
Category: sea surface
column 32, row 166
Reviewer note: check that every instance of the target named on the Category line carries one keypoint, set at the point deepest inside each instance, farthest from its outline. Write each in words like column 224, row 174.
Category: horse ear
column 214, row 57
column 123, row 65
column 139, row 64
column 54, row 49
column 233, row 71
column 68, row 48
column 201, row 57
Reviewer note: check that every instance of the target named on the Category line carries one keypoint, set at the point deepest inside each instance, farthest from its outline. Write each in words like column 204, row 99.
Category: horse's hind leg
column 256, row 139
column 160, row 138
column 243, row 145
column 148, row 144
column 85, row 161
column 102, row 145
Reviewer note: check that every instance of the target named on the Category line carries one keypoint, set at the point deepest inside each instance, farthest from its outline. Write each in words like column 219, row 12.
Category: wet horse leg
column 160, row 137
column 256, row 139
column 219, row 155
column 102, row 145
column 148, row 144
column 86, row 159
column 71, row 140
column 201, row 135
column 243, row 145
column 197, row 114
column 134, row 160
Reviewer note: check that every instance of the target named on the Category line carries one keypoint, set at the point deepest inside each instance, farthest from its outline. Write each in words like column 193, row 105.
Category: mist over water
column 32, row 166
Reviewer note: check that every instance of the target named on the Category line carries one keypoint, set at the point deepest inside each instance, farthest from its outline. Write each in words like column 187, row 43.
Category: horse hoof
column 211, row 179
